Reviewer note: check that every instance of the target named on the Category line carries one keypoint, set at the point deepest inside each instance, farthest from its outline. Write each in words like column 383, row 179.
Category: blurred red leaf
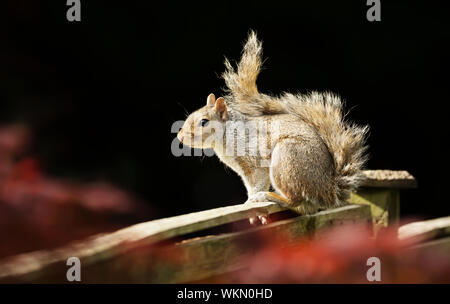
column 37, row 211
column 340, row 256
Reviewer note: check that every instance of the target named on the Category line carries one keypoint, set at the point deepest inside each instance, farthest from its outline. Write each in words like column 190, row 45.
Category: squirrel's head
column 204, row 128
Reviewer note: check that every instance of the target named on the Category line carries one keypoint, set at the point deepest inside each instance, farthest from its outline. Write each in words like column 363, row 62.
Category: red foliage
column 340, row 256
column 37, row 211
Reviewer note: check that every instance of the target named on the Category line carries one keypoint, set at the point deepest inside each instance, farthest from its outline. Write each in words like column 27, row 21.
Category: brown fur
column 316, row 157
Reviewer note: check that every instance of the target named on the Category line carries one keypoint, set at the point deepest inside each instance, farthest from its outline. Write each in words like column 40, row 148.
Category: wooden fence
column 201, row 245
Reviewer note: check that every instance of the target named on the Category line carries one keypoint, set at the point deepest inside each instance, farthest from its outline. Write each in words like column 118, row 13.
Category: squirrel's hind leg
column 267, row 196
column 295, row 176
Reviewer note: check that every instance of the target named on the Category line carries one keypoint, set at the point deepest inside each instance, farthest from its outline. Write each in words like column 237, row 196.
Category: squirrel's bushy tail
column 241, row 82
column 323, row 111
column 346, row 142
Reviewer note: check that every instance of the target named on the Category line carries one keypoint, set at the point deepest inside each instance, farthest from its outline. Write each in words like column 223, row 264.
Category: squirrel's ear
column 211, row 100
column 221, row 108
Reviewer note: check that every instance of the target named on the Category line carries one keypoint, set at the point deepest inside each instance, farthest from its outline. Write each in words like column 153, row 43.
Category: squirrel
column 314, row 158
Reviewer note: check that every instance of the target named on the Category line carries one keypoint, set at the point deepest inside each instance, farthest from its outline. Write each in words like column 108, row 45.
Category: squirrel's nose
column 180, row 137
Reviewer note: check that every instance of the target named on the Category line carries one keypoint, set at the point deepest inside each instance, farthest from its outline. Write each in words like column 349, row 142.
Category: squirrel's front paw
column 258, row 198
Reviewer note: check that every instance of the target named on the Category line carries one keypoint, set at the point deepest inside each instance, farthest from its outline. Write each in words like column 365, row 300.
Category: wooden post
column 381, row 191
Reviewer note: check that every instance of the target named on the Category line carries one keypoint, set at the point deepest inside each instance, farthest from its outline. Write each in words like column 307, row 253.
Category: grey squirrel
column 313, row 158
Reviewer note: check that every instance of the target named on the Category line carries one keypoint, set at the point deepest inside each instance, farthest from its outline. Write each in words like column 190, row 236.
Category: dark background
column 100, row 95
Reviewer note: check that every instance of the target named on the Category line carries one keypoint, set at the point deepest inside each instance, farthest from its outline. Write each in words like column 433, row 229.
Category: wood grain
column 388, row 179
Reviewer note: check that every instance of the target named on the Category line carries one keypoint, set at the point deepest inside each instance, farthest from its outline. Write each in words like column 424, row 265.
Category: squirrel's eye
column 204, row 122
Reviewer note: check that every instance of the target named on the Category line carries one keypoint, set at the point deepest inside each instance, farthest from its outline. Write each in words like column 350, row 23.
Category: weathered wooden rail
column 203, row 244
